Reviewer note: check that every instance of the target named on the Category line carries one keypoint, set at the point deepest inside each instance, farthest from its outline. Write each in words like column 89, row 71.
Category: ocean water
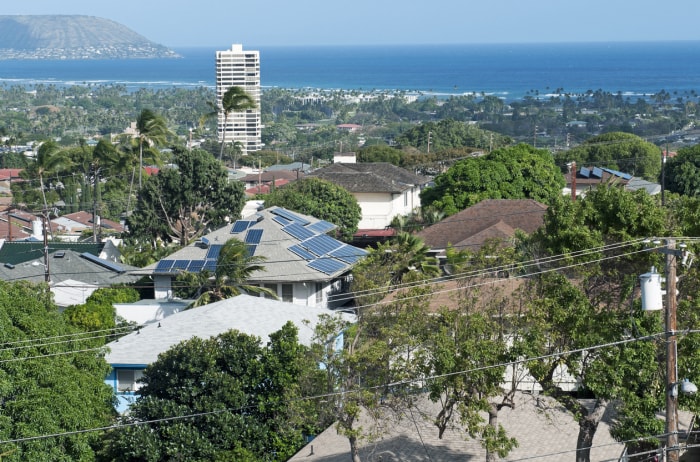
column 509, row 71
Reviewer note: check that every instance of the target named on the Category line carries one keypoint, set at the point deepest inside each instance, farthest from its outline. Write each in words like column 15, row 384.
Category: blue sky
column 219, row 23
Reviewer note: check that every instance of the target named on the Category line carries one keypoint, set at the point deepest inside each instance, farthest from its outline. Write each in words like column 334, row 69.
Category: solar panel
column 321, row 244
column 281, row 220
column 585, row 172
column 302, row 252
column 210, row 265
column 181, row 265
column 164, row 266
column 205, row 241
column 213, row 252
column 327, row 265
column 597, row 172
column 241, row 225
column 290, row 216
column 297, row 231
column 348, row 254
column 196, row 266
column 253, row 236
column 251, row 249
column 624, row 176
column 321, row 226
column 104, row 263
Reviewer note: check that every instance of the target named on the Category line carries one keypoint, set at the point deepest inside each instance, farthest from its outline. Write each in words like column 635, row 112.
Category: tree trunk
column 588, row 424
column 493, row 422
column 354, row 450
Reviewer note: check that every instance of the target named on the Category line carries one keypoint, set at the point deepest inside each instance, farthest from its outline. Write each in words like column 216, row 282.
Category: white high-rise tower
column 239, row 68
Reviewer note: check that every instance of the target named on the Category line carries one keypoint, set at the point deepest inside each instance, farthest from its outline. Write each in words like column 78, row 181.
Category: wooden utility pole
column 672, row 448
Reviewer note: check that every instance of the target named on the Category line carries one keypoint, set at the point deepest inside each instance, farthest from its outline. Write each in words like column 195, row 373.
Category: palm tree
column 50, row 158
column 235, row 99
column 152, row 129
column 233, row 268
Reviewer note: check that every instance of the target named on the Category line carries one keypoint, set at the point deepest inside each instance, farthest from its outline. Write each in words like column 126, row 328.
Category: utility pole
column 673, row 450
column 429, row 134
column 47, row 271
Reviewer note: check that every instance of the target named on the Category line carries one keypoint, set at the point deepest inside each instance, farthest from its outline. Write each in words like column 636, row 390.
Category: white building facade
column 239, row 68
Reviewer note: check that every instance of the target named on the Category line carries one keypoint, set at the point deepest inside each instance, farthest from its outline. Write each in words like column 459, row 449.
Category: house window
column 405, row 199
column 272, row 287
column 319, row 293
column 127, row 379
column 287, row 293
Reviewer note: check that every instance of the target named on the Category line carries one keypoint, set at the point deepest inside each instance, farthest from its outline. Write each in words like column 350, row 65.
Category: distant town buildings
column 239, row 68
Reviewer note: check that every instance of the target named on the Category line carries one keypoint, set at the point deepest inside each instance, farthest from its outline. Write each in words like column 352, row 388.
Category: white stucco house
column 302, row 264
column 382, row 190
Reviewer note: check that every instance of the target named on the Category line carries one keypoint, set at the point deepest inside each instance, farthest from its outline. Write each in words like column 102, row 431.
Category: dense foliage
column 239, row 392
column 48, row 386
column 618, row 151
column 320, row 199
column 519, row 172
column 181, row 202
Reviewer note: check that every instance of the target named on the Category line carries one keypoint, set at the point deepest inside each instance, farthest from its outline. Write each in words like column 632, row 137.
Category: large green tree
column 600, row 240
column 246, row 392
column 321, row 199
column 51, row 381
column 518, row 172
column 619, row 151
column 683, row 172
column 180, row 203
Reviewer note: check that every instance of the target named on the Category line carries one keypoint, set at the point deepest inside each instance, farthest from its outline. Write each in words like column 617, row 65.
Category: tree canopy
column 683, row 171
column 618, row 151
column 320, row 199
column 181, row 202
column 518, row 172
column 245, row 391
column 47, row 386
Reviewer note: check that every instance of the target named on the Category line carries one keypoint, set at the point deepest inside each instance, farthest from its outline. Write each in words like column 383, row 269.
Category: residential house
column 74, row 270
column 250, row 315
column 489, row 219
column 72, row 225
column 269, row 177
column 382, row 190
column 302, row 264
column 586, row 178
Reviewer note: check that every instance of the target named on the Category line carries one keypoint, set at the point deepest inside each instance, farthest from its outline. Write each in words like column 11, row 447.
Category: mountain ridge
column 73, row 37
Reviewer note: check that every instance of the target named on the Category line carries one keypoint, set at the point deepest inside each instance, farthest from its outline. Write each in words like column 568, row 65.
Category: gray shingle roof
column 70, row 267
column 248, row 314
column 545, row 432
column 281, row 264
column 370, row 177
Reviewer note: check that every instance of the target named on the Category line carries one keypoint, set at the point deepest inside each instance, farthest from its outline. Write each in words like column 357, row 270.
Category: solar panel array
column 241, row 225
column 597, row 172
column 321, row 252
column 624, row 176
column 284, row 213
column 321, row 226
column 253, row 236
column 298, row 231
column 104, row 263
column 585, row 172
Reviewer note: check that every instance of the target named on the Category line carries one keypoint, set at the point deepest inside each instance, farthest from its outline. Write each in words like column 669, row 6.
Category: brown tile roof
column 370, row 177
column 490, row 218
column 85, row 218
